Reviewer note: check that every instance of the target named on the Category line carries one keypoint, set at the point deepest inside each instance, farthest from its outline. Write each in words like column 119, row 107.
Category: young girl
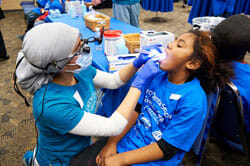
column 172, row 105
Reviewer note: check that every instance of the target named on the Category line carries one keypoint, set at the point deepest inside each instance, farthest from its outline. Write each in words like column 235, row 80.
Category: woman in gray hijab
column 55, row 66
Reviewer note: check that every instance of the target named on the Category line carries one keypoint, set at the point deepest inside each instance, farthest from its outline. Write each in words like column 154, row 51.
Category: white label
column 78, row 98
column 175, row 96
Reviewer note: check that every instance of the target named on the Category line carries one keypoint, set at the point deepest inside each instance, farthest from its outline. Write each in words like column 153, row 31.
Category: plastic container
column 111, row 39
column 206, row 23
column 55, row 13
column 121, row 47
column 72, row 11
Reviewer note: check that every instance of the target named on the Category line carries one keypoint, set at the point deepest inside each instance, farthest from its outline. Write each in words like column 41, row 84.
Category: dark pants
column 87, row 156
column 1, row 14
column 31, row 17
column 3, row 52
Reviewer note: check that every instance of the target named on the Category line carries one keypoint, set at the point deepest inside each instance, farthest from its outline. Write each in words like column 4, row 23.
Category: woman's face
column 178, row 53
column 73, row 60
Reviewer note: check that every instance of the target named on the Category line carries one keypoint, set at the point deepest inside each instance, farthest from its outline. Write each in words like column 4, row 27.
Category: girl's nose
column 170, row 45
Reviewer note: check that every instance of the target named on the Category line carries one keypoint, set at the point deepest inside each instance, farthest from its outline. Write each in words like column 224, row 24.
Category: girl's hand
column 113, row 161
column 38, row 19
column 107, row 151
column 42, row 10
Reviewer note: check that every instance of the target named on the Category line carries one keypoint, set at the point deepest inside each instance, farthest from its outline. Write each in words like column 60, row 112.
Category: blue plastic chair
column 213, row 99
column 228, row 127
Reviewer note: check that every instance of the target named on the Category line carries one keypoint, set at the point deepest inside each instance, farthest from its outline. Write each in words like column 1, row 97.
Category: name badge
column 175, row 96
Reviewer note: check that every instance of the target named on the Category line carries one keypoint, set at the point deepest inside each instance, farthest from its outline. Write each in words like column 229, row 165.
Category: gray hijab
column 45, row 51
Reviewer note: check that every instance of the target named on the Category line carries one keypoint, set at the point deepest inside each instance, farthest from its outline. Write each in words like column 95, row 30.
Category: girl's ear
column 193, row 64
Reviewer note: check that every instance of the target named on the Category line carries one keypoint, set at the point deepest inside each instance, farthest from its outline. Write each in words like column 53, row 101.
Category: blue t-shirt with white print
column 242, row 82
column 63, row 108
column 47, row 5
column 172, row 112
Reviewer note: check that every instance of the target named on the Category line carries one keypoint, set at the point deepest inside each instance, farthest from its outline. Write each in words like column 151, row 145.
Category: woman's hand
column 96, row 2
column 145, row 74
column 143, row 57
column 88, row 4
column 108, row 150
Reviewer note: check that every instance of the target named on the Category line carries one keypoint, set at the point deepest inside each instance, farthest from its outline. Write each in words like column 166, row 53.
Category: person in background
column 41, row 12
column 232, row 39
column 57, row 70
column 3, row 52
column 127, row 11
column 223, row 8
column 52, row 4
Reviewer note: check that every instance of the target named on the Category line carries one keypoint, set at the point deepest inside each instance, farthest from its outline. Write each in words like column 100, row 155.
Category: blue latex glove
column 145, row 74
column 143, row 58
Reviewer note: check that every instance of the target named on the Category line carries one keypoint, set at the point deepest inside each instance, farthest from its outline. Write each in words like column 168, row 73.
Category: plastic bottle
column 91, row 11
column 98, row 46
column 84, row 8
column 72, row 11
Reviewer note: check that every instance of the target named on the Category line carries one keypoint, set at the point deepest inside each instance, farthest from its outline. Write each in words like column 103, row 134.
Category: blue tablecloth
column 99, row 59
column 158, row 5
column 202, row 8
column 112, row 98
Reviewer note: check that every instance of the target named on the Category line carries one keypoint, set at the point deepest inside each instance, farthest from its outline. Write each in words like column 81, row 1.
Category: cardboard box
column 119, row 61
column 151, row 37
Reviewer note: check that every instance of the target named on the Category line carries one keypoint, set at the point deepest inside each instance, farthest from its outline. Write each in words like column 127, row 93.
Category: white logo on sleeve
column 78, row 98
column 175, row 96
column 157, row 135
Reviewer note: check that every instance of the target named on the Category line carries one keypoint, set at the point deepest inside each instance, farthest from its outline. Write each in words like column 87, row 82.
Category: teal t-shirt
column 63, row 108
column 125, row 2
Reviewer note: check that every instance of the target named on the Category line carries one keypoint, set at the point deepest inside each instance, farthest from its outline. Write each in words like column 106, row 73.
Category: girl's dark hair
column 213, row 71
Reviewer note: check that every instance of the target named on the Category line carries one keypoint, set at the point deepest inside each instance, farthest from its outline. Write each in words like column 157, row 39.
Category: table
column 158, row 5
column 202, row 8
column 242, row 6
column 112, row 98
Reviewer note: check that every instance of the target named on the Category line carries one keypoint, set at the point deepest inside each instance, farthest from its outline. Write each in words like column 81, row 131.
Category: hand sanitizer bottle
column 98, row 46
column 91, row 11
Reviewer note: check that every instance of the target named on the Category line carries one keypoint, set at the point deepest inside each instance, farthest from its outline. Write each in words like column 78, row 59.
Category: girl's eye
column 179, row 46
